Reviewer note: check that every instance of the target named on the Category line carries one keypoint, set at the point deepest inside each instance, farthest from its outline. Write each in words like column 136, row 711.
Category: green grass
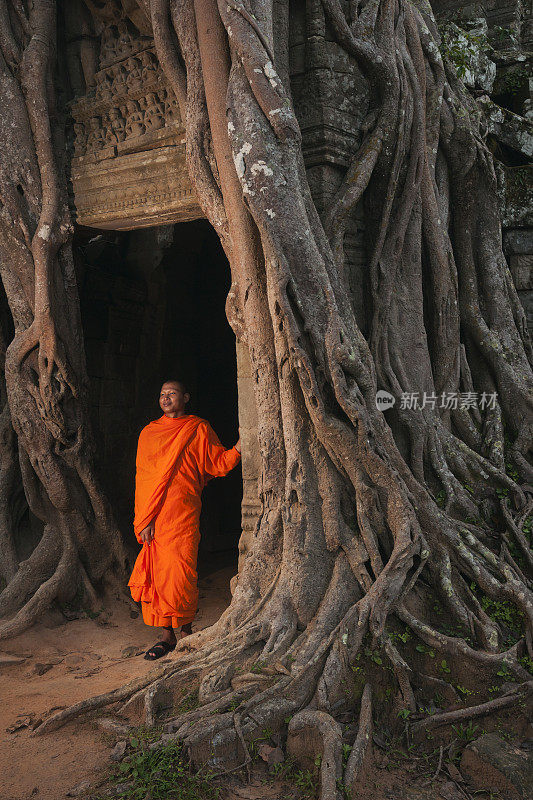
column 506, row 614
column 188, row 702
column 161, row 774
column 467, row 733
column 304, row 780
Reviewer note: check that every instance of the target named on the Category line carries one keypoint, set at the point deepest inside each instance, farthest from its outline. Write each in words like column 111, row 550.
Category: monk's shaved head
column 178, row 382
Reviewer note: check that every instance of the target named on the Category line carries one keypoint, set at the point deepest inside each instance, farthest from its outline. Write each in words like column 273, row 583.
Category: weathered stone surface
column 517, row 205
column 136, row 190
column 80, row 789
column 481, row 70
column 526, row 298
column 129, row 169
column 511, row 129
column 250, row 449
column 119, row 750
column 518, row 242
column 522, row 270
column 449, row 791
column 112, row 726
column 491, row 763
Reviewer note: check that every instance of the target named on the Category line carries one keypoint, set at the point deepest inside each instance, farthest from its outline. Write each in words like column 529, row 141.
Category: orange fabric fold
column 175, row 459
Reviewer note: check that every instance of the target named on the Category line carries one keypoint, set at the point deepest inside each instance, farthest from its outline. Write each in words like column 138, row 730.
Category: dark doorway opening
column 153, row 308
column 199, row 345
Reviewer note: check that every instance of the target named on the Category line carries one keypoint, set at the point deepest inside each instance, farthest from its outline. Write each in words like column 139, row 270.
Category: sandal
column 159, row 649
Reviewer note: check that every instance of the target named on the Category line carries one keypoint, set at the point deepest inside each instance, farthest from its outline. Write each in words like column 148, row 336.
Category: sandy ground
column 61, row 662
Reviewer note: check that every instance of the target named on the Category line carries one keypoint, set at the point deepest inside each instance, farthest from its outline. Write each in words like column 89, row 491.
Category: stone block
column 522, row 271
column 492, row 764
column 526, row 298
column 251, row 460
column 510, row 129
column 518, row 242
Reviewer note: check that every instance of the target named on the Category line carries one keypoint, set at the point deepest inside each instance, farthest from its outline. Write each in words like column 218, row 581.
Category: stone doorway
column 153, row 308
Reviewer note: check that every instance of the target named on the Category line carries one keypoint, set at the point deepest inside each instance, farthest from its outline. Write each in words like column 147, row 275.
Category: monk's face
column 172, row 399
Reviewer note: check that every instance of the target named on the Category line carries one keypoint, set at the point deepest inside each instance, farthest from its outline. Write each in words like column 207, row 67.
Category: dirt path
column 60, row 663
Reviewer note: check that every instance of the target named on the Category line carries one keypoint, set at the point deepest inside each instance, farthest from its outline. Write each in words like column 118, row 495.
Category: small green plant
column 444, row 668
column 501, row 34
column 188, row 702
column 305, row 781
column 422, row 648
column 504, row 613
column 257, row 667
column 266, row 734
column 511, row 470
column 346, row 750
column 441, row 498
column 161, row 774
column 401, row 637
column 504, row 673
column 374, row 656
column 466, row 733
column 404, row 713
column 463, row 690
column 527, row 663
column 461, row 48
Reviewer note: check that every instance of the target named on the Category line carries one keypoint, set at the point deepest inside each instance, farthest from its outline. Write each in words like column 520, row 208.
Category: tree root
column 313, row 733
column 510, row 698
column 42, row 598
column 363, row 742
column 93, row 703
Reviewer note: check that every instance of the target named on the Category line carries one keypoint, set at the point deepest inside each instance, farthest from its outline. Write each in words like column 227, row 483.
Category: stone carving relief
column 130, row 97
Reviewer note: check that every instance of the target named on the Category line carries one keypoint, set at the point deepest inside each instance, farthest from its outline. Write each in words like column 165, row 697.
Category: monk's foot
column 186, row 630
column 169, row 637
column 159, row 650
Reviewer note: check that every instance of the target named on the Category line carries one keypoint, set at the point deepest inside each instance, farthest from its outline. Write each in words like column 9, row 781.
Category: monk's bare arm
column 216, row 460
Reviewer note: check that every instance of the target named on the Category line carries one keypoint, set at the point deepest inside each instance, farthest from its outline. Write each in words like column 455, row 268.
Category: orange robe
column 175, row 459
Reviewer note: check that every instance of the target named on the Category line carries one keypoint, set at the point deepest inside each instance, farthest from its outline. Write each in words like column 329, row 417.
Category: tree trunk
column 366, row 521
column 45, row 371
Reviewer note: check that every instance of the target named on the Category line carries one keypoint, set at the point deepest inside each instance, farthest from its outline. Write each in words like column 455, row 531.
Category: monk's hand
column 147, row 534
column 238, row 445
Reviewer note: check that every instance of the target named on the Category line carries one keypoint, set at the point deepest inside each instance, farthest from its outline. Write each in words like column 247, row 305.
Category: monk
column 176, row 456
